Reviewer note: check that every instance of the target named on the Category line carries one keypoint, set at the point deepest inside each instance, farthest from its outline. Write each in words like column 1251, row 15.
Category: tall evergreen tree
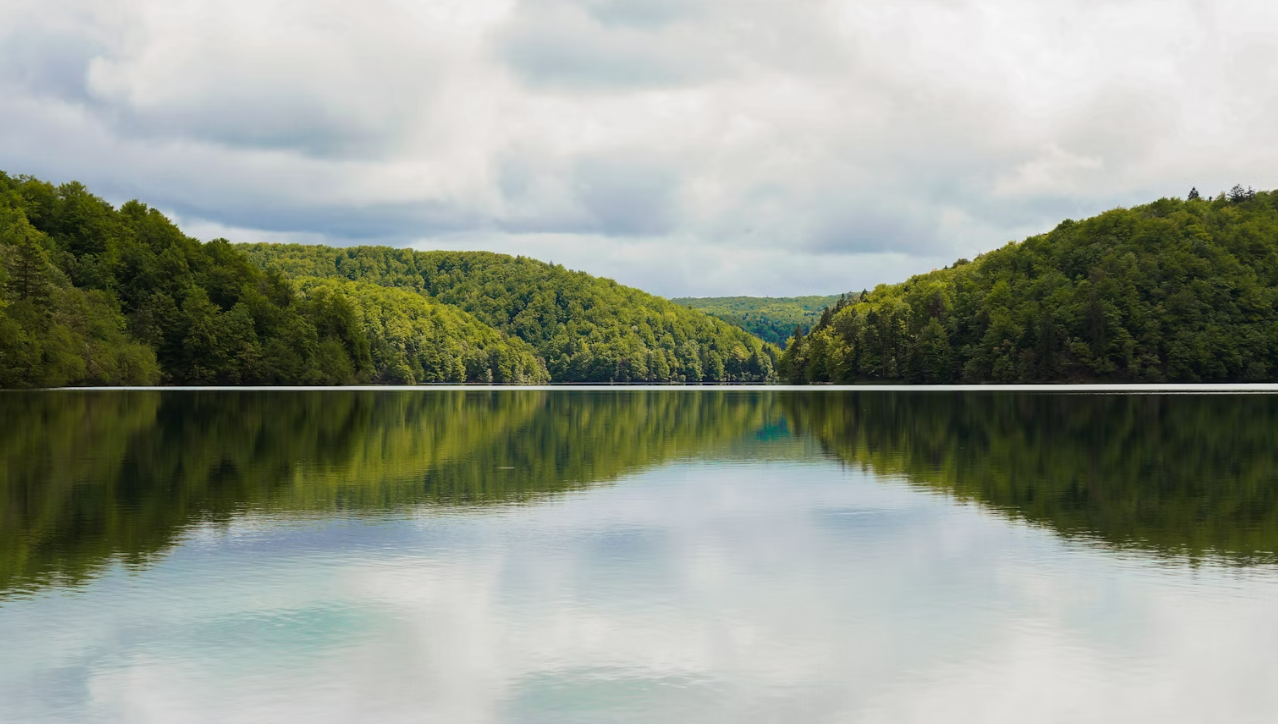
column 27, row 280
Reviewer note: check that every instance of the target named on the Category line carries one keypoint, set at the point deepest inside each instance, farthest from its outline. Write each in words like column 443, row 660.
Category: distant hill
column 1183, row 291
column 586, row 328
column 772, row 319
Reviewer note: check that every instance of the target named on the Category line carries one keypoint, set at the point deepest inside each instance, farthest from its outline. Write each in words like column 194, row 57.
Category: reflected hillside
column 1178, row 475
column 91, row 477
column 86, row 477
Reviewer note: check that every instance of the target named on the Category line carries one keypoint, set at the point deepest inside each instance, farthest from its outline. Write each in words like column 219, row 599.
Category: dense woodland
column 1171, row 291
column 94, row 295
column 1183, row 291
column 772, row 319
column 586, row 328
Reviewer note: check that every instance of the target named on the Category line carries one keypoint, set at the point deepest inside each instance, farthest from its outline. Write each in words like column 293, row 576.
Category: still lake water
column 638, row 556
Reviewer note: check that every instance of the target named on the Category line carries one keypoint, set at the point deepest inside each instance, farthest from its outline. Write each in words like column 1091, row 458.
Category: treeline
column 772, row 319
column 92, row 294
column 92, row 477
column 586, row 328
column 52, row 331
column 1175, row 290
column 106, row 296
column 1192, row 476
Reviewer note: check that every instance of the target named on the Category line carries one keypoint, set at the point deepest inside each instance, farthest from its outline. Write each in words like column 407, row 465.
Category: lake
column 670, row 555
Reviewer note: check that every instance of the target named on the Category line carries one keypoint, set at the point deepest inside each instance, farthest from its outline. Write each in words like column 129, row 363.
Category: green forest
column 772, row 319
column 1180, row 291
column 586, row 328
column 98, row 295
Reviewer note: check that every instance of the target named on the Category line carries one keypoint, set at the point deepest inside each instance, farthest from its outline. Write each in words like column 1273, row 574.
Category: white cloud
column 827, row 133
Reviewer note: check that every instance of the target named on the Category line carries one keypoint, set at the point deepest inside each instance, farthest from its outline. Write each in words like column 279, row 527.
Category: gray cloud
column 860, row 141
column 325, row 84
column 50, row 64
column 628, row 197
column 382, row 223
column 604, row 46
column 644, row 13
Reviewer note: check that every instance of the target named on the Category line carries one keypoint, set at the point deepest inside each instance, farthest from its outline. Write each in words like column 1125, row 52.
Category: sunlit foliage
column 588, row 329
column 772, row 319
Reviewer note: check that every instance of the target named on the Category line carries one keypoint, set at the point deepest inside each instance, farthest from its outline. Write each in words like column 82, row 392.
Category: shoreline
column 1152, row 388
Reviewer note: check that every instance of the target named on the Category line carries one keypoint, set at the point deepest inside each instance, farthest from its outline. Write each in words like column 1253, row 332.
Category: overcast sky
column 695, row 147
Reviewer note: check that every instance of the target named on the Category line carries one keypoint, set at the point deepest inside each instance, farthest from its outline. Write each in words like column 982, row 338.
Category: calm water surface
column 630, row 556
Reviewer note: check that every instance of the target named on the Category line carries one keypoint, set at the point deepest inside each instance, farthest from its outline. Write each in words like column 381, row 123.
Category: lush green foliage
column 1179, row 475
column 412, row 340
column 90, row 477
column 772, row 319
column 1175, row 290
column 586, row 328
column 98, row 295
column 53, row 332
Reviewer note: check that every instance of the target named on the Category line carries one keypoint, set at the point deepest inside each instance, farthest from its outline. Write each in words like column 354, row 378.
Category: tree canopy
column 99, row 295
column 1175, row 290
column 93, row 294
column 587, row 328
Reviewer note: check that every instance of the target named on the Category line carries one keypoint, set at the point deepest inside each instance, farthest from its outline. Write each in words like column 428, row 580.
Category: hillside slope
column 588, row 329
column 412, row 340
column 1181, row 291
column 772, row 319
column 91, row 294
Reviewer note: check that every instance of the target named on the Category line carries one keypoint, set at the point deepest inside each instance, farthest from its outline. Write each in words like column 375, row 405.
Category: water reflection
column 91, row 477
column 1176, row 475
column 461, row 557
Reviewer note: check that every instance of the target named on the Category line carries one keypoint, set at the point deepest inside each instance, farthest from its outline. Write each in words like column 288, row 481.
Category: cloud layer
column 692, row 147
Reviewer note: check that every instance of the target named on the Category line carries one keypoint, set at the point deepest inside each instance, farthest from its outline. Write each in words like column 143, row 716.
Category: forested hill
column 586, row 328
column 92, row 294
column 772, row 319
column 1182, row 291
